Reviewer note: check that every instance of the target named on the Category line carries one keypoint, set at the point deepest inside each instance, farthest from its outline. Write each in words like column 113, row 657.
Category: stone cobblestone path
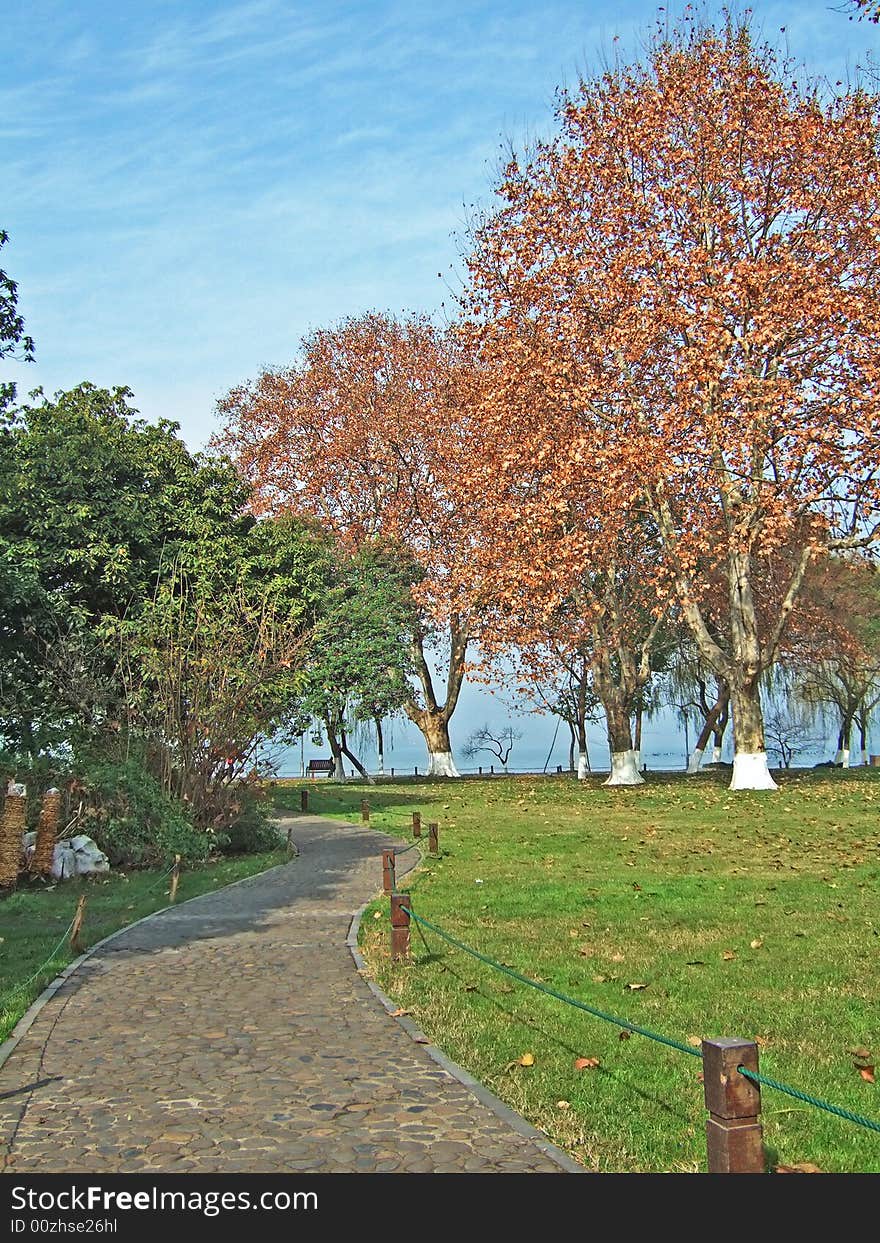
column 233, row 1033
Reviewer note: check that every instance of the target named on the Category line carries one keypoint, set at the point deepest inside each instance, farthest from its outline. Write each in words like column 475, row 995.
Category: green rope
column 810, row 1100
column 837, row 1110
column 551, row 992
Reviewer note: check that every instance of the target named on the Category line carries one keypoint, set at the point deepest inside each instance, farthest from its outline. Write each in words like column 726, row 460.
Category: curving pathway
column 234, row 1033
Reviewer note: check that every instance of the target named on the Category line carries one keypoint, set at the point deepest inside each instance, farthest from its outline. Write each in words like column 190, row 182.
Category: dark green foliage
column 133, row 821
column 251, row 832
column 14, row 342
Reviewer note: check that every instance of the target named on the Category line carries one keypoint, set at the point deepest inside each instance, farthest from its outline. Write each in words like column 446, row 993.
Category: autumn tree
column 362, row 433
column 690, row 269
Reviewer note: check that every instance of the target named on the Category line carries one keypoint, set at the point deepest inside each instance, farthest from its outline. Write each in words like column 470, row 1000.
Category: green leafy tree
column 92, row 500
column 360, row 664
column 14, row 341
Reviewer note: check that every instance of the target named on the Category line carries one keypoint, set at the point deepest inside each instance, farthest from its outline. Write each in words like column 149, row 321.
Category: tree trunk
column 433, row 719
column 637, row 741
column 750, row 768
column 338, row 773
column 571, row 745
column 624, row 761
column 355, row 762
column 435, row 728
column 710, row 726
column 380, row 746
column 583, row 766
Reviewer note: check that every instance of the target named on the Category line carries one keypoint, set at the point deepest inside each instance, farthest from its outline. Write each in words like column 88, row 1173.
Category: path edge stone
column 514, row 1120
column 24, row 1024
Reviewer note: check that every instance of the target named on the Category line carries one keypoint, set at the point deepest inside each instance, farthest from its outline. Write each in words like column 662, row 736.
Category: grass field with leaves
column 678, row 906
column 34, row 919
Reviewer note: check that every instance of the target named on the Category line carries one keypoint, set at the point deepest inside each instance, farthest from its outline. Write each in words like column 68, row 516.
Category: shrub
column 133, row 821
column 251, row 832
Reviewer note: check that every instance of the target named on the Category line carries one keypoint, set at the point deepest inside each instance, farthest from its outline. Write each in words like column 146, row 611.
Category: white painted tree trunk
column 638, row 755
column 695, row 760
column 716, row 755
column 838, row 759
column 751, row 772
column 865, row 759
column 625, row 769
column 583, row 768
column 441, row 764
column 844, row 757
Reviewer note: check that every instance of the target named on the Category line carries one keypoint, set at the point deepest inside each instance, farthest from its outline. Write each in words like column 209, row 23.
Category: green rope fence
column 753, row 1075
column 552, row 992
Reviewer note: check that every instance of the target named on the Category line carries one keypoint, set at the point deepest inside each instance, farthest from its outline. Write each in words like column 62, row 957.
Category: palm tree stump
column 47, row 834
column 12, row 827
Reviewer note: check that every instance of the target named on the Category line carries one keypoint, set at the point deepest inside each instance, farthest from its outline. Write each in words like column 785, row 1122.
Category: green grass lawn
column 754, row 915
column 33, row 919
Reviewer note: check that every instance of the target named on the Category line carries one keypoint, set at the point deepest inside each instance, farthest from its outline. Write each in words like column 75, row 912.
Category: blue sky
column 190, row 187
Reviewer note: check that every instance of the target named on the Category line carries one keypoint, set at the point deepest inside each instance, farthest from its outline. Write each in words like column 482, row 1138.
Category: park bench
column 319, row 766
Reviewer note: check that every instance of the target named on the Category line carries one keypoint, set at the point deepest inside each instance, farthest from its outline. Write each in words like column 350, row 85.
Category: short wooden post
column 392, row 772
column 433, row 830
column 400, row 926
column 417, row 824
column 416, row 771
column 480, row 770
column 733, row 1132
column 492, row 770
column 304, row 800
column 388, row 871
column 175, row 880
column 291, row 845
column 76, row 926
column 365, row 811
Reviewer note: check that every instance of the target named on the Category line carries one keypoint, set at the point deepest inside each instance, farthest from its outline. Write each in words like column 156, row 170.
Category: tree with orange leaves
column 691, row 268
column 362, row 433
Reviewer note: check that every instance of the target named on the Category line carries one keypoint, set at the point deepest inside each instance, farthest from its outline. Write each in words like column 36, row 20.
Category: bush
column 251, row 832
column 133, row 821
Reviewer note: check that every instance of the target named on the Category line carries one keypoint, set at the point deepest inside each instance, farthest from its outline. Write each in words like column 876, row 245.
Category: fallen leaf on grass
column 636, row 988
column 867, row 1073
column 802, row 1167
column 756, row 944
column 617, row 957
column 526, row 1059
column 587, row 1063
column 695, row 1041
column 728, row 955
column 399, row 1013
column 862, row 1054
column 377, row 915
column 624, row 1035
column 563, row 1104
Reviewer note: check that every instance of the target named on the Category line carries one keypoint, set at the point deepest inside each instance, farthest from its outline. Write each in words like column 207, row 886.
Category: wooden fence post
column 433, row 831
column 76, row 926
column 400, row 926
column 733, row 1132
column 175, row 880
column 389, row 881
column 417, row 824
column 365, row 811
column 304, row 800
